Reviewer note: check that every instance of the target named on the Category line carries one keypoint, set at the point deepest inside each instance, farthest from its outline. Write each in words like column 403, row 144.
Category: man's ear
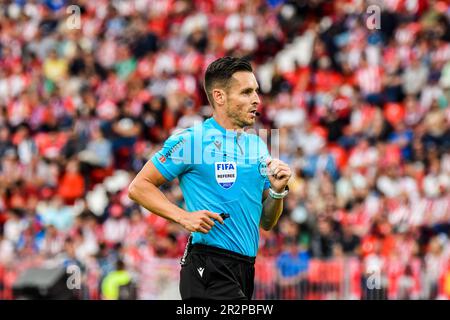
column 219, row 96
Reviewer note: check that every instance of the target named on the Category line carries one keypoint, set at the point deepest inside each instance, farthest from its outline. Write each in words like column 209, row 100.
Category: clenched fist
column 278, row 173
column 199, row 221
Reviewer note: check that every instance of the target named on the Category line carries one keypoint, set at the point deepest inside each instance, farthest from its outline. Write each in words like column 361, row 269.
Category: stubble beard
column 238, row 118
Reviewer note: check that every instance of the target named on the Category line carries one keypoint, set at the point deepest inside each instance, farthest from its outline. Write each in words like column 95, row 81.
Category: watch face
column 262, row 166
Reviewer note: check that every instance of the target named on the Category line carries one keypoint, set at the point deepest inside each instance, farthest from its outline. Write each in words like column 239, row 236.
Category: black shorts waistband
column 222, row 253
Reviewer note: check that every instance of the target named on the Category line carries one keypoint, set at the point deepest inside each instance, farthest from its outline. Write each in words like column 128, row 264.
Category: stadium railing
column 334, row 279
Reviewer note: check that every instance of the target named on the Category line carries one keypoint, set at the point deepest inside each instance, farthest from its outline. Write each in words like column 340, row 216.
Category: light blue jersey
column 220, row 171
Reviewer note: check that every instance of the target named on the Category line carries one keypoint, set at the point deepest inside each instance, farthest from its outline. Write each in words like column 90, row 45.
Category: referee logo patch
column 226, row 173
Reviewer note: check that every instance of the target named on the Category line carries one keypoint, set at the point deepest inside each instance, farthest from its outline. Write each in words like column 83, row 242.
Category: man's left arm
column 279, row 174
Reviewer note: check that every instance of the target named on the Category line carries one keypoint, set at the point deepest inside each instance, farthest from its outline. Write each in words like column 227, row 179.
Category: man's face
column 242, row 99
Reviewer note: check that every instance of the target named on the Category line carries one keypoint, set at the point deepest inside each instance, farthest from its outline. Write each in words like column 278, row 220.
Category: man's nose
column 256, row 99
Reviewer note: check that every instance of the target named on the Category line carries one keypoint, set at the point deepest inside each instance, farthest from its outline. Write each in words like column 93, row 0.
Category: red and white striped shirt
column 369, row 79
column 442, row 53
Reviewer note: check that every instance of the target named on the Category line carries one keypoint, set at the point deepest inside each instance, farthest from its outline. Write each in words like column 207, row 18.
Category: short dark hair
column 220, row 71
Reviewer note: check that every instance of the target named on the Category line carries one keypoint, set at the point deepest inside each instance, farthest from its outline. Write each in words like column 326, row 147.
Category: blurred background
column 361, row 102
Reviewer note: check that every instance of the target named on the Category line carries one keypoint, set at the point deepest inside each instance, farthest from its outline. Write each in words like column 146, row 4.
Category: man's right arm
column 144, row 190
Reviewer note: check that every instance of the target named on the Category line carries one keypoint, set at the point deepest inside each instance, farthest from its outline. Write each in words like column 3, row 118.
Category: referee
column 230, row 184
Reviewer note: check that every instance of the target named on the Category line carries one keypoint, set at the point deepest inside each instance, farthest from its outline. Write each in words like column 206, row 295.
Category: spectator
column 116, row 226
column 56, row 213
column 6, row 251
column 114, row 283
column 323, row 240
column 71, row 186
column 98, row 152
column 435, row 261
column 55, row 68
column 415, row 77
column 292, row 265
column 349, row 241
column 324, row 162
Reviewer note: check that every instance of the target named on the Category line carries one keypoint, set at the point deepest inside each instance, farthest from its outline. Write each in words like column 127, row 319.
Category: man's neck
column 226, row 123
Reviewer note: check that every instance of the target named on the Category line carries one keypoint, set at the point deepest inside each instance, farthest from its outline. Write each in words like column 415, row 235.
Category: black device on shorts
column 188, row 247
column 224, row 215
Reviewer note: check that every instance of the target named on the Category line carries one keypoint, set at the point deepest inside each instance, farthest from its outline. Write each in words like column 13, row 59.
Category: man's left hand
column 279, row 174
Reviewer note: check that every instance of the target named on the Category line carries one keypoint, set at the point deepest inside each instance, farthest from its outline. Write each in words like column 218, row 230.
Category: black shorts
column 217, row 274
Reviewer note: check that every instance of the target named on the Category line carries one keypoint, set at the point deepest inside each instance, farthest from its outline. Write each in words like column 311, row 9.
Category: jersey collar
column 230, row 133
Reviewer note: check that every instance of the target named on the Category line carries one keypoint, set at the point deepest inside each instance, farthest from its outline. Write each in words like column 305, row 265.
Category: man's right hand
column 199, row 221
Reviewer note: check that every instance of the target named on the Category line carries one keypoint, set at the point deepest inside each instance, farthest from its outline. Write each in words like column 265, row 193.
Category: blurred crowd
column 363, row 116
